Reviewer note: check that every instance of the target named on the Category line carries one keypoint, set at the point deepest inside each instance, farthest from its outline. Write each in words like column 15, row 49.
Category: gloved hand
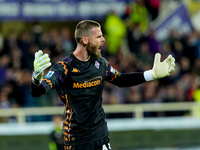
column 163, row 69
column 41, row 62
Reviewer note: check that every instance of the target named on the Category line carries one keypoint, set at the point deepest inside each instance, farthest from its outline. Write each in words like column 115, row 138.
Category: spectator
column 56, row 136
column 10, row 41
column 133, row 96
column 154, row 44
column 4, row 62
column 67, row 40
column 114, row 27
column 138, row 15
column 145, row 57
column 153, row 7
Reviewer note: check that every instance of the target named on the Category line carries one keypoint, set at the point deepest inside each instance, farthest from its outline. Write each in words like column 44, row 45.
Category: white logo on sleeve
column 112, row 70
column 105, row 147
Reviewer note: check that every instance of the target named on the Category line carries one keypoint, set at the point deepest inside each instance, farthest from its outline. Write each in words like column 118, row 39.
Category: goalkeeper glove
column 41, row 62
column 160, row 69
column 163, row 69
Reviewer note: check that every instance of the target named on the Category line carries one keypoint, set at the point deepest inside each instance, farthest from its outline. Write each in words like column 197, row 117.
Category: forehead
column 96, row 31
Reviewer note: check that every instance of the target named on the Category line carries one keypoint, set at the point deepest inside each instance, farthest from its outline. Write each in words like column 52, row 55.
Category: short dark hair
column 83, row 28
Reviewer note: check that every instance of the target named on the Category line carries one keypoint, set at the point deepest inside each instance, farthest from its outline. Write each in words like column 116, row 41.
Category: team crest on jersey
column 97, row 64
column 49, row 74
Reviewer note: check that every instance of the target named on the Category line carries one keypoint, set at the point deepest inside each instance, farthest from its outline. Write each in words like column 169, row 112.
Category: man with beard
column 78, row 79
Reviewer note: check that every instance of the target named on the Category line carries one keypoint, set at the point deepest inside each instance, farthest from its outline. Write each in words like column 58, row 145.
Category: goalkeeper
column 78, row 79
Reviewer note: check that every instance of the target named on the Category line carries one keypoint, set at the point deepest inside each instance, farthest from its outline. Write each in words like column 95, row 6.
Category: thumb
column 157, row 58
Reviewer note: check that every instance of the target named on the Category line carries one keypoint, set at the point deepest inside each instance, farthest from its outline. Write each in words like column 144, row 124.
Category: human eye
column 100, row 36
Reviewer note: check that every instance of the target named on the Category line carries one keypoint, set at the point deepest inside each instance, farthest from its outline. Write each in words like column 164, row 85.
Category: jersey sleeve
column 123, row 79
column 55, row 76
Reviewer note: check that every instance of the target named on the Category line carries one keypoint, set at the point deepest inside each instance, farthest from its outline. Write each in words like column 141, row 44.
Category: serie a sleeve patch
column 49, row 74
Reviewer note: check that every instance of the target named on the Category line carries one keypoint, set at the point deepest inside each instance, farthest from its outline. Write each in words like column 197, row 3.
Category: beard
column 93, row 51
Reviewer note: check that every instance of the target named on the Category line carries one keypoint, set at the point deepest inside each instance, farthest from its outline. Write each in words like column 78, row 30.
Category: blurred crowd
column 130, row 47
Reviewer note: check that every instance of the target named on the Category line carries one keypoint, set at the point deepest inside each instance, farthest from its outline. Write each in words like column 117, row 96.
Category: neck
column 81, row 53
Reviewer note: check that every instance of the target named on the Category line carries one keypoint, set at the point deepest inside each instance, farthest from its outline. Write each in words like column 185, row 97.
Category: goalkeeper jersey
column 80, row 85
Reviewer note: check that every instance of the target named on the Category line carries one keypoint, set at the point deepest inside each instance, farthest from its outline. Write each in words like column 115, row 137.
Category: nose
column 103, row 39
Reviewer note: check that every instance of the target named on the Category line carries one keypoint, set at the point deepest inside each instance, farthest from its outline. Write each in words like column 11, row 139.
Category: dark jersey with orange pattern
column 80, row 86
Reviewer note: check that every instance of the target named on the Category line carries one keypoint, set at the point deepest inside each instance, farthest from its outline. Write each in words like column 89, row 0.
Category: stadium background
column 138, row 117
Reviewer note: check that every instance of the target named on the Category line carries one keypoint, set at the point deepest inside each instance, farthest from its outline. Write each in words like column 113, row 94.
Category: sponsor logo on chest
column 90, row 83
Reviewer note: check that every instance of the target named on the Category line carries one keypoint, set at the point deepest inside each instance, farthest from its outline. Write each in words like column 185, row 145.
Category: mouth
column 101, row 45
column 99, row 48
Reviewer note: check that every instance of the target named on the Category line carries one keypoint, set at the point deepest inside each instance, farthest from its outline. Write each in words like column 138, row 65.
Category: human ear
column 85, row 40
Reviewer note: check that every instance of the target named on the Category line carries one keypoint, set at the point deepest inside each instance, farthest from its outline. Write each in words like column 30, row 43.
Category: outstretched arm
column 159, row 70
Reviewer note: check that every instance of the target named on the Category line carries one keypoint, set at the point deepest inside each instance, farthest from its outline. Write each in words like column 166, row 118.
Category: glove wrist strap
column 35, row 81
column 148, row 75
